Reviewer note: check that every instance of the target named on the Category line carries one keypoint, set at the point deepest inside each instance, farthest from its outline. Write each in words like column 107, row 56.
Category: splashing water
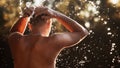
column 90, row 10
column 20, row 7
column 29, row 4
column 38, row 2
column 34, row 4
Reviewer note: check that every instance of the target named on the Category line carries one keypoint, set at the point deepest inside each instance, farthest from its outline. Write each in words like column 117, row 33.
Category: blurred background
column 101, row 49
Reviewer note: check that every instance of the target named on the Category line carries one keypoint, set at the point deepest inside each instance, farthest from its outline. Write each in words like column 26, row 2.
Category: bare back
column 35, row 52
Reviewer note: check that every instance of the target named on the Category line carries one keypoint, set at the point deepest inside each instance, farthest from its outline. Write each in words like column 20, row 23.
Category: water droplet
column 109, row 33
column 108, row 29
column 87, row 24
column 105, row 22
column 98, row 2
column 81, row 62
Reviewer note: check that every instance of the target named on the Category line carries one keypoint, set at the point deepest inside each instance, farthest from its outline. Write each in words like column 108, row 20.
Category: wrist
column 26, row 15
column 58, row 15
column 55, row 14
column 25, row 18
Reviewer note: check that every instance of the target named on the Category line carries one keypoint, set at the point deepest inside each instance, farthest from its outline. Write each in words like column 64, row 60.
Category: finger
column 28, row 11
column 40, row 9
column 44, row 13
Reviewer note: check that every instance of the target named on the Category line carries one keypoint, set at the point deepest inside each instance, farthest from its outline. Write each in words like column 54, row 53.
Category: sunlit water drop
column 28, row 4
column 38, row 2
column 20, row 8
column 109, row 33
column 98, row 2
column 108, row 29
column 105, row 22
column 87, row 24
column 112, row 48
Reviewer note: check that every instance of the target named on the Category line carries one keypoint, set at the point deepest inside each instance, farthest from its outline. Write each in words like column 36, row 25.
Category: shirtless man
column 38, row 49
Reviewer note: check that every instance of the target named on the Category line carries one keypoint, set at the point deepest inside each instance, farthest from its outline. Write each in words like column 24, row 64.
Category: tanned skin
column 39, row 49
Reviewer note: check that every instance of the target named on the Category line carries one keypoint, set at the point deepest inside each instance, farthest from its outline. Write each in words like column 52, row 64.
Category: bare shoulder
column 67, row 39
column 14, row 37
column 15, row 34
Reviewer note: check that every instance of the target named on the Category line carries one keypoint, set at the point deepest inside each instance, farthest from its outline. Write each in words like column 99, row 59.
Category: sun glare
column 114, row 1
column 38, row 2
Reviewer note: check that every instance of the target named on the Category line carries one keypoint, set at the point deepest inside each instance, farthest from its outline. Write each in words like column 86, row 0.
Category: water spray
column 29, row 4
column 38, row 2
column 34, row 5
column 20, row 4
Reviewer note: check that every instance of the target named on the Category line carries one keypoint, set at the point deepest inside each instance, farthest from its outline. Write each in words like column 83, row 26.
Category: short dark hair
column 37, row 20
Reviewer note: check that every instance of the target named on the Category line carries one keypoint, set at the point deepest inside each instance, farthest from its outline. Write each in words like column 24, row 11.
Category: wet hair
column 38, row 20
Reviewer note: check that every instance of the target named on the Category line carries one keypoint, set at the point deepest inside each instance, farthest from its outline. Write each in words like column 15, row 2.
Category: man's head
column 40, row 24
column 38, row 20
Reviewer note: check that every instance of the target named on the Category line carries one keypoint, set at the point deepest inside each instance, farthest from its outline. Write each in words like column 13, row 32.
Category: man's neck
column 39, row 33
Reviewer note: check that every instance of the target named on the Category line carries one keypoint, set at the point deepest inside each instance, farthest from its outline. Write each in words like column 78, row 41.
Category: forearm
column 20, row 25
column 69, row 23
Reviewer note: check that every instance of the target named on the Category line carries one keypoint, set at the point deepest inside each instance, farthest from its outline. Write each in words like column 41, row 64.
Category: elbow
column 85, row 32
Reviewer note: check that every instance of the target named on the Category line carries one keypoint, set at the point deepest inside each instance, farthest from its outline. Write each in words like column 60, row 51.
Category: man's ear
column 49, row 21
column 29, row 26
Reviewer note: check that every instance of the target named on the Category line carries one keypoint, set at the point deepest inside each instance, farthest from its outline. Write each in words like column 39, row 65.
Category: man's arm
column 77, row 32
column 17, row 30
column 21, row 24
column 19, row 27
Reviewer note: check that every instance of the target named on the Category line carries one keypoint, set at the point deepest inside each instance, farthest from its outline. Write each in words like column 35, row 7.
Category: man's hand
column 28, row 11
column 40, row 10
column 44, row 12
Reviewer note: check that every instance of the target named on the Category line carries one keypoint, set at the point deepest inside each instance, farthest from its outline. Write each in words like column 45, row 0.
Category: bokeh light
column 87, row 24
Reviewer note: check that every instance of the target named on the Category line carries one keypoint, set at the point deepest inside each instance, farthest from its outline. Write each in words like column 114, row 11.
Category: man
column 38, row 49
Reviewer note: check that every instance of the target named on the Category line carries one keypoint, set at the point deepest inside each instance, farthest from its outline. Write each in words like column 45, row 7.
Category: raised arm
column 21, row 24
column 69, row 23
column 77, row 32
column 19, row 27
